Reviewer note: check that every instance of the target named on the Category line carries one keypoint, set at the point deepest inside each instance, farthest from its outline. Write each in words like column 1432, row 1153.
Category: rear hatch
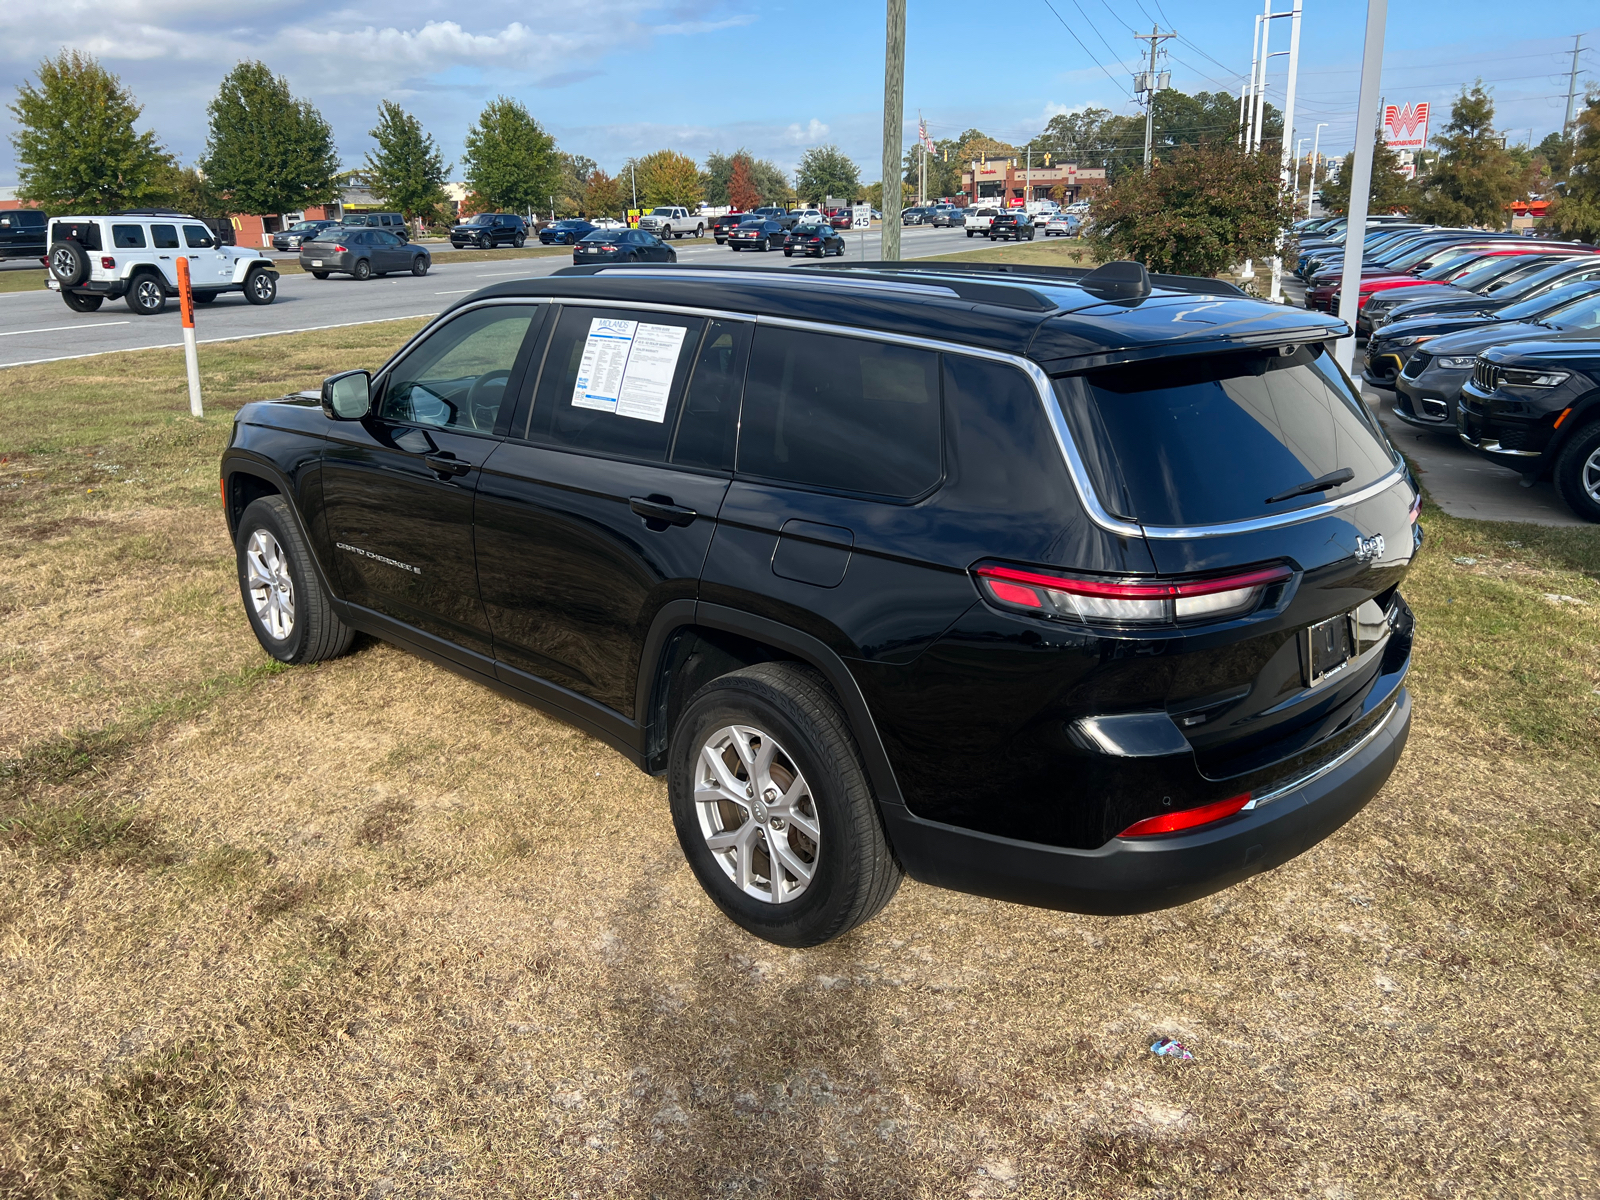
column 1213, row 458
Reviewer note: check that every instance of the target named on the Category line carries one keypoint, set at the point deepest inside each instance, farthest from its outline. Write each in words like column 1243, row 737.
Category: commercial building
column 1011, row 181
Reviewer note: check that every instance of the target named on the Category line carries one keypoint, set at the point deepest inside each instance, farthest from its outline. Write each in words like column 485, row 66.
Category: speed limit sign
column 861, row 216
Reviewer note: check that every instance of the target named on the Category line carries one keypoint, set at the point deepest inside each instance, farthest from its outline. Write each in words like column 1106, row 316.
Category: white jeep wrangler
column 134, row 255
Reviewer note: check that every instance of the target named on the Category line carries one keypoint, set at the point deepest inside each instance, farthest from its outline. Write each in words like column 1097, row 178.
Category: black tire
column 788, row 253
column 319, row 274
column 854, row 871
column 203, row 297
column 766, row 244
column 69, row 263
column 420, row 264
column 78, row 303
column 362, row 270
column 518, row 241
column 313, row 632
column 260, row 286
column 736, row 247
column 970, row 232
column 147, row 295
column 1578, row 464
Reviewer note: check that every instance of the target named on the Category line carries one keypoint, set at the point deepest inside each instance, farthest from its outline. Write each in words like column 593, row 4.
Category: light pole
column 1294, row 196
column 1316, row 143
column 1283, row 140
column 1344, row 350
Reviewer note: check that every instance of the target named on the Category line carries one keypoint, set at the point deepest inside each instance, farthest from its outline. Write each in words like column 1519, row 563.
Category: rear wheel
column 79, row 303
column 319, row 274
column 773, row 808
column 285, row 601
column 362, row 270
column 1577, row 473
column 146, row 296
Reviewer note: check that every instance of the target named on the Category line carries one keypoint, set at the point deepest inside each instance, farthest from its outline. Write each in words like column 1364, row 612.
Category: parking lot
column 35, row 326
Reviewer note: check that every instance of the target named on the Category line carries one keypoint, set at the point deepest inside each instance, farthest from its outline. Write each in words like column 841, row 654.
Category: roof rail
column 1041, row 274
column 149, row 212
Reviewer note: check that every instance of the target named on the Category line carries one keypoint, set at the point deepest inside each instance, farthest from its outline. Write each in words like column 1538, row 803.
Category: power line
column 1114, row 56
column 1120, row 87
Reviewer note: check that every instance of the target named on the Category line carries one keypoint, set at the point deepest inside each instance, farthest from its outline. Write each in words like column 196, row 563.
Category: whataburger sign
column 1406, row 128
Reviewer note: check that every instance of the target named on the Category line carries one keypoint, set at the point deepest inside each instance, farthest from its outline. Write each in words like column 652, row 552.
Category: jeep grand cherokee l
column 1024, row 583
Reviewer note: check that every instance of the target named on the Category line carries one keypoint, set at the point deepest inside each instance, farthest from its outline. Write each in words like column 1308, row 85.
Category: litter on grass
column 1556, row 598
column 1171, row 1048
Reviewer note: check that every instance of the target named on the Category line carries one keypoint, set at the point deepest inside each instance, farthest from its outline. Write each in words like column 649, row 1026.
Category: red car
column 841, row 218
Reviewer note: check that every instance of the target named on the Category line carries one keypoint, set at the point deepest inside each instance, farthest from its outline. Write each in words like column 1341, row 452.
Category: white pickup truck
column 672, row 222
column 979, row 220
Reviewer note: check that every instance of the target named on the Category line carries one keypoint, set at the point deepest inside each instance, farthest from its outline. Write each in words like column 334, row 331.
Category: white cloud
column 807, row 135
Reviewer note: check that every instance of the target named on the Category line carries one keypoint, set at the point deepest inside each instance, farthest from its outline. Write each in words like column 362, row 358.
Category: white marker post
column 191, row 359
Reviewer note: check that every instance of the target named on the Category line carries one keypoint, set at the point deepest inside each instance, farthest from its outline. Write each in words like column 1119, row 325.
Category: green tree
column 1199, row 211
column 1097, row 138
column 602, row 195
column 1575, row 213
column 1391, row 191
column 188, row 191
column 769, row 181
column 511, row 162
column 75, row 143
column 826, row 171
column 1556, row 151
column 1476, row 177
column 406, row 171
column 575, row 172
column 266, row 151
column 667, row 178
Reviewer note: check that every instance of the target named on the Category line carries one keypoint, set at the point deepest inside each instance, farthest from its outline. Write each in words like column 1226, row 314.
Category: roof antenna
column 1118, row 281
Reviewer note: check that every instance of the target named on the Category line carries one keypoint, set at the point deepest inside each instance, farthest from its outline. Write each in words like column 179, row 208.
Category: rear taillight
column 340, row 250
column 108, row 263
column 1126, row 603
column 1416, row 507
column 1186, row 818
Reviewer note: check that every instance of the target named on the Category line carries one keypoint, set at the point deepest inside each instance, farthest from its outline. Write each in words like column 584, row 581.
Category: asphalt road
column 38, row 327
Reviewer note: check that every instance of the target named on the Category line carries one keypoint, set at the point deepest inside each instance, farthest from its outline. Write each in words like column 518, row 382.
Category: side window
column 457, row 378
column 710, row 417
column 198, row 237
column 164, row 237
column 127, row 237
column 612, row 381
column 384, row 238
column 841, row 412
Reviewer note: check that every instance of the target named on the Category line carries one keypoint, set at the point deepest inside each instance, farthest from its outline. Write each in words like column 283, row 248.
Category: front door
column 389, row 253
column 398, row 486
column 209, row 265
column 599, row 511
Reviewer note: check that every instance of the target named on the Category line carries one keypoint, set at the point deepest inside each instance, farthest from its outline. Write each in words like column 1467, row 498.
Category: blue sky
column 612, row 78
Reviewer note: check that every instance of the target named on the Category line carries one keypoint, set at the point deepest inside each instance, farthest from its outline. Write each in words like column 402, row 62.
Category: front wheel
column 518, row 241
column 419, row 265
column 1577, row 473
column 260, row 286
column 288, row 608
column 773, row 808
column 79, row 303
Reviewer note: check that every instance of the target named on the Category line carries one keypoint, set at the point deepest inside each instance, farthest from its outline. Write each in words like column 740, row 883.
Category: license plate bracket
column 1327, row 648
column 316, row 262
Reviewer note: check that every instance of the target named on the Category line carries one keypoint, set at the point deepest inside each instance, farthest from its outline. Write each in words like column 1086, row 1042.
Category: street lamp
column 1316, row 141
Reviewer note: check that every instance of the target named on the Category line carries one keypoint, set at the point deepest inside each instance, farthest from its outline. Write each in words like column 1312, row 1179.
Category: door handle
column 446, row 465
column 652, row 508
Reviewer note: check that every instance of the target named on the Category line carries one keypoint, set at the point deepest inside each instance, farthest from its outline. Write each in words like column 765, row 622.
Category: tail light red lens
column 1416, row 507
column 108, row 263
column 340, row 250
column 1127, row 603
column 1186, row 818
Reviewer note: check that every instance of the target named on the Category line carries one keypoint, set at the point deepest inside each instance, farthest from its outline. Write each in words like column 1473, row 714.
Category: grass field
column 365, row 929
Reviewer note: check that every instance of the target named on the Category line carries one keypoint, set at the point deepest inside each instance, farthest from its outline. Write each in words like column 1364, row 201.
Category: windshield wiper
column 1320, row 484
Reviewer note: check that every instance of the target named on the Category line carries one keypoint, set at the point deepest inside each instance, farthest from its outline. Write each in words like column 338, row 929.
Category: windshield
column 660, row 212
column 1581, row 314
column 482, row 219
column 306, row 226
column 1207, row 440
column 1534, row 283
column 1488, row 272
column 1533, row 309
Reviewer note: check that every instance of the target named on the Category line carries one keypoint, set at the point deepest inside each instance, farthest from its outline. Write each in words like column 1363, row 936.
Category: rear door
column 164, row 242
column 598, row 511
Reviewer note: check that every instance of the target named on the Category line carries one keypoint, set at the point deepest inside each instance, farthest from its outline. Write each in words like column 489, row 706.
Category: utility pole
column 894, row 99
column 1148, row 83
column 1344, row 351
column 1288, row 133
column 1572, row 87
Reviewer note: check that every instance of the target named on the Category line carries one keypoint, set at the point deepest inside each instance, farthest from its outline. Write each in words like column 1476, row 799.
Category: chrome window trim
column 1077, row 472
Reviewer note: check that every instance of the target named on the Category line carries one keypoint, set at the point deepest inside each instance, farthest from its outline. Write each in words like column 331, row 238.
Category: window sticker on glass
column 627, row 368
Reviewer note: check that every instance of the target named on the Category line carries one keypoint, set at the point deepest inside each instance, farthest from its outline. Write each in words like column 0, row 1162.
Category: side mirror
column 347, row 396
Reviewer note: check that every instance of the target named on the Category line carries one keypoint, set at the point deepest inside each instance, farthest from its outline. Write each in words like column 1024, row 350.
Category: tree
column 1199, row 211
column 770, row 183
column 742, row 191
column 407, row 171
column 1096, row 138
column 188, row 191
column 1476, row 178
column 266, row 151
column 668, row 178
column 75, row 142
column 575, row 172
column 826, row 171
column 1575, row 213
column 602, row 195
column 1556, row 151
column 510, row 161
column 1390, row 190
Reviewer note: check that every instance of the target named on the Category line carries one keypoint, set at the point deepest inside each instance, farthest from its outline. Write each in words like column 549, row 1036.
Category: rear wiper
column 1320, row 484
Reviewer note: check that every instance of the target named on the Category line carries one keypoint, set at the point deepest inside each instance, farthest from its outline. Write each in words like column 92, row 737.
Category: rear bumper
column 1134, row 875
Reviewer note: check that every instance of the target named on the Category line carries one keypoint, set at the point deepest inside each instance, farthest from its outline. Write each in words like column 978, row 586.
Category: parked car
column 1014, row 224
column 758, row 233
column 565, row 233
column 361, row 254
column 721, row 225
column 487, row 230
column 1553, row 274
column 23, row 233
column 877, row 590
column 132, row 256
column 1062, row 224
column 979, row 220
column 842, row 218
column 622, row 245
column 672, row 222
column 395, row 223
column 291, row 237
column 1534, row 407
column 1428, row 390
column 819, row 239
column 1486, row 279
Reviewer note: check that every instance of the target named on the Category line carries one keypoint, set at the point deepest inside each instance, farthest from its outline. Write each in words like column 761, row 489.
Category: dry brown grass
column 368, row 930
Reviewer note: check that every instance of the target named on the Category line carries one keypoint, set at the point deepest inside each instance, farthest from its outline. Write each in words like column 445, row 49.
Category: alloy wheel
column 757, row 814
column 147, row 294
column 1589, row 476
column 270, row 586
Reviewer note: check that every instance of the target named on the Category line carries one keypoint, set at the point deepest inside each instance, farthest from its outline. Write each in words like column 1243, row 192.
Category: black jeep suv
column 1023, row 582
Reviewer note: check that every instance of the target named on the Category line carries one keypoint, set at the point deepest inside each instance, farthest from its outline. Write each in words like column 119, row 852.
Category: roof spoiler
column 1023, row 271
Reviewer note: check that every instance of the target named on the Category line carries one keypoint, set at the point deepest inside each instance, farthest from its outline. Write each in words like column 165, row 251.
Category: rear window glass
column 1204, row 441
column 841, row 412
